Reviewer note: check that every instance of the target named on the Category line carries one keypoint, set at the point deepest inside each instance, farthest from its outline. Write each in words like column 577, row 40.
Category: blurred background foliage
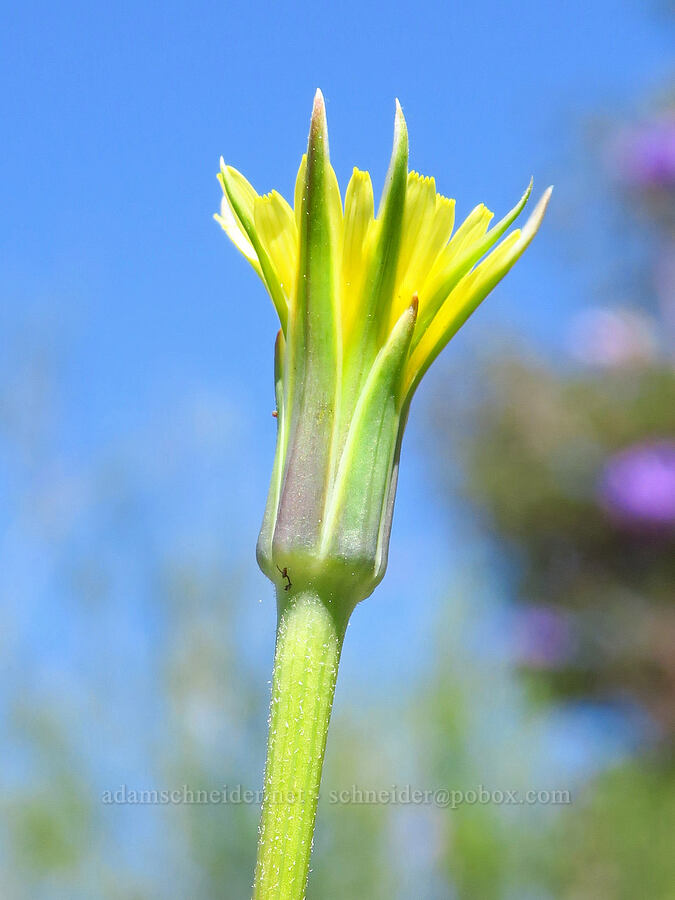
column 571, row 467
column 560, row 476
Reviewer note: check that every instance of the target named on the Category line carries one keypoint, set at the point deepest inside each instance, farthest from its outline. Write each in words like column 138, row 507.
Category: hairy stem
column 309, row 641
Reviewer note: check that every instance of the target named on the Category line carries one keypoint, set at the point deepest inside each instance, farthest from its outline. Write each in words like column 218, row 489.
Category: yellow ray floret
column 275, row 224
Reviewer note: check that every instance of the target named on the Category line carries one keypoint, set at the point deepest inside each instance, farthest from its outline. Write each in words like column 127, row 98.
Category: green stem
column 309, row 641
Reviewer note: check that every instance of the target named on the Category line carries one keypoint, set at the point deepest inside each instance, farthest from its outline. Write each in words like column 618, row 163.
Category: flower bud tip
column 400, row 124
column 319, row 106
column 319, row 126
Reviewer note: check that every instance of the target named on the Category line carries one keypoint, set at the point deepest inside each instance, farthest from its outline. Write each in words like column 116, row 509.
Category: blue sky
column 115, row 116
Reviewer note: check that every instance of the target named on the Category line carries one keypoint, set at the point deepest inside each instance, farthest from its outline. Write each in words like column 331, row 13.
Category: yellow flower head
column 408, row 250
column 366, row 302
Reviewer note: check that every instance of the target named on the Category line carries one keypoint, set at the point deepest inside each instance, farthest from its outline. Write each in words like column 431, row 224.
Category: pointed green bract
column 380, row 279
column 313, row 363
column 264, row 545
column 352, row 526
column 390, row 217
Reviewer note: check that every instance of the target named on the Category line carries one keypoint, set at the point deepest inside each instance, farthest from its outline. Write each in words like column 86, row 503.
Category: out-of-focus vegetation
column 132, row 658
column 572, row 470
column 569, row 468
column 575, row 475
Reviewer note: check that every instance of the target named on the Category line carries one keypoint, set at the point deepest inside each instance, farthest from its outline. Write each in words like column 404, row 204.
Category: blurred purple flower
column 543, row 637
column 637, row 485
column 646, row 156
